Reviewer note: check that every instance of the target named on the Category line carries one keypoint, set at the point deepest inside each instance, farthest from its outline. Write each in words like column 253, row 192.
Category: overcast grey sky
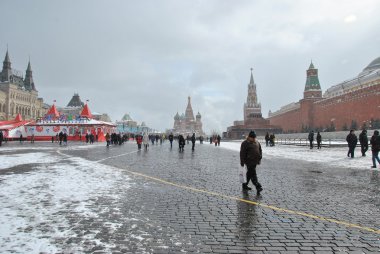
column 146, row 57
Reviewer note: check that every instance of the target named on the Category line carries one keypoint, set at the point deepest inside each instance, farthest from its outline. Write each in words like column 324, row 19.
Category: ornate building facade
column 356, row 100
column 253, row 119
column 18, row 94
column 186, row 124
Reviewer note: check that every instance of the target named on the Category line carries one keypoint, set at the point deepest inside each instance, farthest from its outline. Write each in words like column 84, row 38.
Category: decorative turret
column 7, row 69
column 252, row 95
column 198, row 116
column 176, row 117
column 189, row 115
column 28, row 82
column 252, row 109
column 86, row 112
column 312, row 86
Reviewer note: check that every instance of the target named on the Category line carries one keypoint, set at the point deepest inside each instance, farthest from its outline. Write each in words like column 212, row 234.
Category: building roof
column 75, row 101
column 126, row 117
column 374, row 65
column 86, row 112
column 53, row 111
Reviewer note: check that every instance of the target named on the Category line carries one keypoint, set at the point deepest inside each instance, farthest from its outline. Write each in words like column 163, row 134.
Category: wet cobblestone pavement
column 148, row 206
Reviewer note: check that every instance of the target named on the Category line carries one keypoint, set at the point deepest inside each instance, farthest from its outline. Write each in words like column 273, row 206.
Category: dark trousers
column 311, row 144
column 318, row 144
column 364, row 148
column 139, row 146
column 252, row 176
column 171, row 143
column 375, row 157
column 192, row 147
column 351, row 151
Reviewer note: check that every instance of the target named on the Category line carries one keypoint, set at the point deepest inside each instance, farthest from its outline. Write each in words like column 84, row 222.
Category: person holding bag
column 250, row 156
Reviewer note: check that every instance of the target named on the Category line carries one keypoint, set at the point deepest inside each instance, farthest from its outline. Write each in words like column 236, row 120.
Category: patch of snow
column 335, row 157
column 12, row 160
column 36, row 206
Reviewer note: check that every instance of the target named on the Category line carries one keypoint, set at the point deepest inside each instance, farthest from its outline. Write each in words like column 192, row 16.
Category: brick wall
column 360, row 105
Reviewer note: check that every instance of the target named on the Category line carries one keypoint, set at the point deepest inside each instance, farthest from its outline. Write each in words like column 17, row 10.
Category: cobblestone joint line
column 344, row 223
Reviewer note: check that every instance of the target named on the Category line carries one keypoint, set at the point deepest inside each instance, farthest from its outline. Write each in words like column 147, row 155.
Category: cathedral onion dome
column 374, row 65
column 198, row 115
column 182, row 117
column 176, row 117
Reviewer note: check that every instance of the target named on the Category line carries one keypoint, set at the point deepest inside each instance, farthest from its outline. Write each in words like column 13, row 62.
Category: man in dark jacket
column 352, row 141
column 181, row 143
column 171, row 140
column 363, row 139
column 193, row 141
column 250, row 155
column 319, row 140
column 311, row 139
column 1, row 138
column 375, row 147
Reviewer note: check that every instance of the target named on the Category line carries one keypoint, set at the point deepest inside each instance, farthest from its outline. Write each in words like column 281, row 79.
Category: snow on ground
column 8, row 161
column 35, row 204
column 334, row 157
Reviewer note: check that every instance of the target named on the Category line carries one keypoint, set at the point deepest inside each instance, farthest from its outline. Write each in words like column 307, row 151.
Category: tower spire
column 28, row 81
column 7, row 68
column 251, row 80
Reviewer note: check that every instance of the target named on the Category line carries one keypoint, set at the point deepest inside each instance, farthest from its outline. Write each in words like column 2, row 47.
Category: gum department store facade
column 18, row 94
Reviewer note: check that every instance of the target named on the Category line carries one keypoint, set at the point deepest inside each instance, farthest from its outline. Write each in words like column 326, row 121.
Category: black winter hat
column 252, row 134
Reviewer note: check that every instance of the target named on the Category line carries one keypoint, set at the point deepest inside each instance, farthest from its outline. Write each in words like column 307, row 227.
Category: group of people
column 61, row 137
column 269, row 139
column 352, row 141
column 311, row 139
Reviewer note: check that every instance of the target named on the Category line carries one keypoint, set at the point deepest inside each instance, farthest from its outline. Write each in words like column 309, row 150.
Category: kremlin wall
column 355, row 100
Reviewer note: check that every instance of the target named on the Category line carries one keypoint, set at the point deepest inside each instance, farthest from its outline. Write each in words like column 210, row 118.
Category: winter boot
column 245, row 187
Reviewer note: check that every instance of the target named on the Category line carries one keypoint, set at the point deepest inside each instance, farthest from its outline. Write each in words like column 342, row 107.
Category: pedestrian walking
column 319, row 140
column 375, row 148
column 352, row 141
column 171, row 140
column 311, row 139
column 32, row 138
column 139, row 141
column 64, row 139
column 146, row 141
column 52, row 139
column 218, row 138
column 267, row 139
column 363, row 139
column 181, row 143
column 20, row 138
column 250, row 156
column 193, row 141
column 108, row 139
column 1, row 137
column 272, row 139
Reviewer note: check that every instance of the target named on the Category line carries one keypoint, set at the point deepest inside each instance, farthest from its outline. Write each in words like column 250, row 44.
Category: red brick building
column 355, row 102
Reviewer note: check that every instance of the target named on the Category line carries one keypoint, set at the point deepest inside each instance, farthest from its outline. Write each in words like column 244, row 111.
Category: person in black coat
column 363, row 139
column 267, row 139
column 319, row 140
column 193, row 141
column 311, row 139
column 1, row 138
column 375, row 147
column 251, row 155
column 352, row 141
column 171, row 140
column 181, row 143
